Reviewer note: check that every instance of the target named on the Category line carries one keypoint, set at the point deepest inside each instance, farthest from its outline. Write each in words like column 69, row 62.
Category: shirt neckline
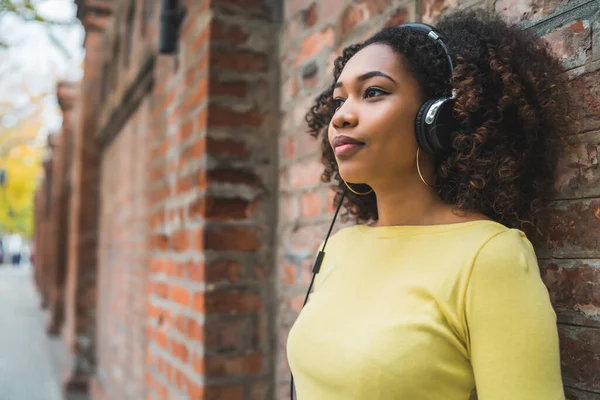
column 414, row 230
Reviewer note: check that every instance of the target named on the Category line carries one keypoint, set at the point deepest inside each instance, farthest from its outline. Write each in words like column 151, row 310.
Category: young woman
column 442, row 143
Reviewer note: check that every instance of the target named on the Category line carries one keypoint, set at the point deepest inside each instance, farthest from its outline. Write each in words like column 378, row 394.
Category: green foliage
column 21, row 159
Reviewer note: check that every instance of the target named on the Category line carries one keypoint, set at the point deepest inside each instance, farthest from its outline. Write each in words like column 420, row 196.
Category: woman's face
column 372, row 131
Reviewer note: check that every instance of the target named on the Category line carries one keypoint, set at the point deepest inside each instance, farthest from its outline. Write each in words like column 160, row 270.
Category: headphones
column 434, row 119
column 432, row 126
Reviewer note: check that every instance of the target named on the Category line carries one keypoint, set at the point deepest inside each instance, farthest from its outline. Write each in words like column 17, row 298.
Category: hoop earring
column 355, row 192
column 419, row 170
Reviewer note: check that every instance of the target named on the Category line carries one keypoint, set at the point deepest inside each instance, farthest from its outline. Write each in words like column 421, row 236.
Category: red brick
column 235, row 238
column 224, row 271
column 229, row 209
column 310, row 15
column 226, row 33
column 199, row 302
column 180, row 295
column 180, row 240
column 291, row 7
column 198, row 239
column 181, row 321
column 238, row 61
column 289, row 90
column 161, row 339
column 252, row 5
column 307, row 237
column 289, row 208
column 573, row 230
column 160, row 242
column 161, row 289
column 288, row 148
column 227, row 148
column 234, row 89
column 516, row 10
column 227, row 335
column 289, row 274
column 233, row 176
column 195, row 97
column 184, row 353
column 572, row 43
column 195, row 331
column 399, row 17
column 198, row 148
column 314, row 44
column 233, row 302
column 247, row 364
column 353, row 15
column 202, row 120
column 580, row 347
column 198, row 364
column 229, row 392
column 311, row 204
column 306, row 174
column 259, row 391
column 200, row 42
column 228, row 118
column 184, row 184
column 586, row 93
column 195, row 271
column 431, row 10
column 186, row 130
column 577, row 173
column 329, row 205
column 575, row 301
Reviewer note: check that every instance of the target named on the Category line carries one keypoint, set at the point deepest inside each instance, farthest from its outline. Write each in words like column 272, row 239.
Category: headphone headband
column 434, row 35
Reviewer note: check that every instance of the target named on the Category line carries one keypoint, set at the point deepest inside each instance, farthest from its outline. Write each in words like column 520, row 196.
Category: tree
column 27, row 10
column 20, row 158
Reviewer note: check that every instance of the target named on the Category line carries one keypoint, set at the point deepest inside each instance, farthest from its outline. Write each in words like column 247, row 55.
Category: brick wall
column 122, row 257
column 315, row 32
column 188, row 146
column 42, row 225
column 58, row 210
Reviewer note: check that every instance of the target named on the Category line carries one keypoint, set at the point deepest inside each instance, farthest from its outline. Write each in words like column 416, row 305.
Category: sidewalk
column 26, row 369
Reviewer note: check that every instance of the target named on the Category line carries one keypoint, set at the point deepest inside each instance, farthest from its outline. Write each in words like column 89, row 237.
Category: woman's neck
column 410, row 204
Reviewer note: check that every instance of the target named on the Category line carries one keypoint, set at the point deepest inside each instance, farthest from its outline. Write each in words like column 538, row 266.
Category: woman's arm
column 513, row 338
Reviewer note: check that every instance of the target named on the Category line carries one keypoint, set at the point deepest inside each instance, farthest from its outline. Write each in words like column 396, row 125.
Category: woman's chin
column 353, row 177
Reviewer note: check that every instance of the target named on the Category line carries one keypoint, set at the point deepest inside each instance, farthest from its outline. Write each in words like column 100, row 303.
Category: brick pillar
column 56, row 262
column 59, row 209
column 38, row 221
column 42, row 217
column 80, row 332
column 211, row 307
column 46, row 233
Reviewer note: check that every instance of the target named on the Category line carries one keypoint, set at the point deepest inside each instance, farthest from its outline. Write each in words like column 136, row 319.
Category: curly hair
column 511, row 109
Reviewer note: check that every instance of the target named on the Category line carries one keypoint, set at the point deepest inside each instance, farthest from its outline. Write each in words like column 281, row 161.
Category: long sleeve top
column 439, row 312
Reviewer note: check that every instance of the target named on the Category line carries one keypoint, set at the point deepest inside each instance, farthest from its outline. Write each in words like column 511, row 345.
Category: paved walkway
column 26, row 368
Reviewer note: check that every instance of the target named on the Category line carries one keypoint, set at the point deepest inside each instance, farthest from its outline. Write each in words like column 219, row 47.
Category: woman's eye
column 373, row 92
column 338, row 102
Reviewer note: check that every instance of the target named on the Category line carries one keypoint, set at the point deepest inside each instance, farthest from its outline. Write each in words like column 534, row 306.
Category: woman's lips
column 344, row 145
column 347, row 149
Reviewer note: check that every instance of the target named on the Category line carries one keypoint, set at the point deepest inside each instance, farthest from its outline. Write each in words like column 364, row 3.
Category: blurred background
column 161, row 203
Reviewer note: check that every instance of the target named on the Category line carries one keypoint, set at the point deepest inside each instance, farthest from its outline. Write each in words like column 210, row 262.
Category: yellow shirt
column 427, row 313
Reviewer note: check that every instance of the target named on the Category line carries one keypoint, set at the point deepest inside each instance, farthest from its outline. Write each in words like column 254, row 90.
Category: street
column 26, row 368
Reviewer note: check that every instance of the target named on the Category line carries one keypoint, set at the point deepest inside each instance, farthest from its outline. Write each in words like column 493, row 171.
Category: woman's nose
column 344, row 119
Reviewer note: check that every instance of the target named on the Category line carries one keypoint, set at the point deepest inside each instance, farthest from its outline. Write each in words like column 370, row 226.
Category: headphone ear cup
column 421, row 127
column 434, row 125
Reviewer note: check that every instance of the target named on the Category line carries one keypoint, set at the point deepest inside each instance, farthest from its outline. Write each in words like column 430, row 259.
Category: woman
column 436, row 293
